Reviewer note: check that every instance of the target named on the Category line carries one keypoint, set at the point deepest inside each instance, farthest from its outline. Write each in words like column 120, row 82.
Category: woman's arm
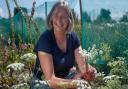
column 46, row 62
column 81, row 60
column 86, row 71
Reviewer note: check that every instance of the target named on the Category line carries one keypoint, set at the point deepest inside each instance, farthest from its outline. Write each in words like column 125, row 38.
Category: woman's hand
column 77, row 76
column 90, row 74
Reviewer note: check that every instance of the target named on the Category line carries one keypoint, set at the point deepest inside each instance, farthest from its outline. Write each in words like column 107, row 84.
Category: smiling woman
column 58, row 49
column 60, row 19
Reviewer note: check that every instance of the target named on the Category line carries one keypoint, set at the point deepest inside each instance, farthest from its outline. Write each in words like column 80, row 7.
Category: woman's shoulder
column 73, row 34
column 44, row 42
column 46, row 34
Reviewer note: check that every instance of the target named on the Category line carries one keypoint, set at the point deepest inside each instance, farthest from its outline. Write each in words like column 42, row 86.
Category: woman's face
column 60, row 19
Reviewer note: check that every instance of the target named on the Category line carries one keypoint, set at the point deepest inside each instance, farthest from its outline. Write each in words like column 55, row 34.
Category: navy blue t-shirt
column 62, row 61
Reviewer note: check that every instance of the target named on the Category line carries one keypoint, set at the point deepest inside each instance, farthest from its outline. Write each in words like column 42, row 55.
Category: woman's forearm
column 82, row 64
column 81, row 60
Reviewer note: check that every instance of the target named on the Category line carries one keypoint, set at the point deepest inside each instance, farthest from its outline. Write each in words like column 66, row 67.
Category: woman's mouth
column 60, row 25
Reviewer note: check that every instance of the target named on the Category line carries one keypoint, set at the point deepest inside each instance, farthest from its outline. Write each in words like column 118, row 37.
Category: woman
column 58, row 49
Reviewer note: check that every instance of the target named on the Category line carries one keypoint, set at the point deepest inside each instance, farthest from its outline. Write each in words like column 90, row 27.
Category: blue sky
column 117, row 7
column 28, row 5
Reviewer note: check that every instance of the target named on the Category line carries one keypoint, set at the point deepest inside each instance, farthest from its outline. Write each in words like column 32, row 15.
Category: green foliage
column 87, row 17
column 77, row 29
column 100, row 56
column 126, row 55
column 112, row 84
column 124, row 18
column 115, row 35
column 8, row 80
column 119, row 67
column 10, row 77
column 98, row 82
column 106, row 52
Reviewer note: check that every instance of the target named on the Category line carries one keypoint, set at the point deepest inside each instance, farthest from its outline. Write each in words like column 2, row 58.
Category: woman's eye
column 64, row 17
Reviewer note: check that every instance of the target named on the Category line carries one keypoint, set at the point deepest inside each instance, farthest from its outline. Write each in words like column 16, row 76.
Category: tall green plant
column 11, row 21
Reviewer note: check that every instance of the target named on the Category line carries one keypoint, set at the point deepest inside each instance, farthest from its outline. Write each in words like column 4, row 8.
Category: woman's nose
column 60, row 20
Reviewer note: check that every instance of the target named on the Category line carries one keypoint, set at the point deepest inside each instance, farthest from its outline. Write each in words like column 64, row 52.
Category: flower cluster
column 119, row 67
column 116, row 64
column 15, row 66
column 28, row 57
column 110, row 77
column 20, row 86
column 24, row 77
column 41, row 84
column 91, row 53
column 82, row 84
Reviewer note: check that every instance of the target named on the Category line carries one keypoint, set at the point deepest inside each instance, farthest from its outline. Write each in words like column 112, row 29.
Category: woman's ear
column 51, row 23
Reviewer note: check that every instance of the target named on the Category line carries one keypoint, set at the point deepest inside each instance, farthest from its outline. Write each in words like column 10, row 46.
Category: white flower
column 36, row 81
column 106, row 78
column 91, row 54
column 121, row 58
column 8, row 70
column 37, row 85
column 16, row 66
column 100, row 74
column 28, row 57
column 110, row 25
column 20, row 86
column 111, row 77
column 82, row 84
column 100, row 52
column 9, row 41
column 24, row 77
column 44, row 82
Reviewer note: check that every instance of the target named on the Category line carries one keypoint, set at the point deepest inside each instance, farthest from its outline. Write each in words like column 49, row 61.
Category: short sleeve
column 43, row 44
column 76, row 40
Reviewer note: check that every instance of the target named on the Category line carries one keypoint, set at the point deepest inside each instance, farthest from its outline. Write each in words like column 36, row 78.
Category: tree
column 124, row 18
column 87, row 17
column 104, row 16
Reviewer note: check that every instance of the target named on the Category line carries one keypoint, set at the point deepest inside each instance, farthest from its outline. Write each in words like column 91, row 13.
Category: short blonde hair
column 69, row 12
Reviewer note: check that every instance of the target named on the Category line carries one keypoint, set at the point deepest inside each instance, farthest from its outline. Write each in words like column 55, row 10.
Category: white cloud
column 117, row 15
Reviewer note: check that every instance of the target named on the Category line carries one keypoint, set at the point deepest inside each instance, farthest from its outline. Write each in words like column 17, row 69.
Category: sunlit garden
column 103, row 39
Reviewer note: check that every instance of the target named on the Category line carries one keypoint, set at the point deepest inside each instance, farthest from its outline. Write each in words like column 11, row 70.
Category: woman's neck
column 60, row 36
